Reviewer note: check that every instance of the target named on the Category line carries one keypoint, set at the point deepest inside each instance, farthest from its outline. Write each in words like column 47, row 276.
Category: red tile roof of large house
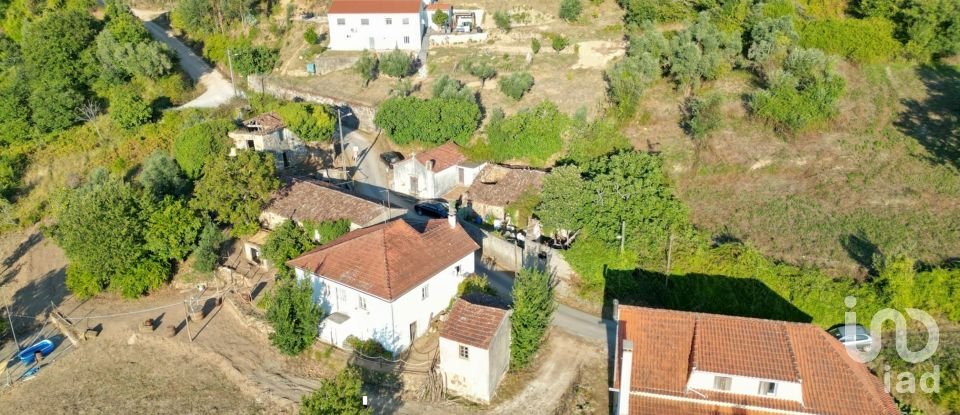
column 473, row 324
column 669, row 345
column 439, row 6
column 319, row 201
column 389, row 259
column 374, row 6
column 443, row 157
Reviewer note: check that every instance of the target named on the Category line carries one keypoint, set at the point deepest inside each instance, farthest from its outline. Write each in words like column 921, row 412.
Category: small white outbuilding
column 475, row 348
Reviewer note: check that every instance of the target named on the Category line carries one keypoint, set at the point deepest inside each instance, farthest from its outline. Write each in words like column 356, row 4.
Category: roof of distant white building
column 374, row 6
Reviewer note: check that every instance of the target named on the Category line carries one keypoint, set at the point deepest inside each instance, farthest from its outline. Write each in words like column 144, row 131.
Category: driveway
column 217, row 89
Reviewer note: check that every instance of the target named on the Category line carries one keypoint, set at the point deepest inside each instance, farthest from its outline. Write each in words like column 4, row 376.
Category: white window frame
column 361, row 302
column 425, row 292
column 722, row 383
column 406, row 20
column 364, row 22
column 464, row 352
column 767, row 388
column 388, row 21
column 406, row 40
column 341, row 21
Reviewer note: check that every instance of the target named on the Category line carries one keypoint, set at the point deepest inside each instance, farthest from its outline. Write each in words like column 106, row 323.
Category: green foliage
column 558, row 42
column 927, row 28
column 193, row 16
column 52, row 46
column 236, row 188
column 475, row 284
column 627, row 79
column 368, row 347
column 803, row 94
column 294, row 316
column 14, row 107
column 771, row 41
column 128, row 109
column 99, row 226
column 446, row 87
column 12, row 165
column 54, row 105
column 309, row 121
column 516, row 84
column 593, row 140
column 646, row 39
column 198, row 144
column 521, row 210
column 254, row 59
column 286, row 242
column 502, row 20
column 207, row 254
column 702, row 52
column 440, row 18
column 481, row 68
column 638, row 11
column 533, row 308
column 433, row 121
column 702, row 115
column 396, row 63
column 160, row 176
column 310, row 36
column 343, row 395
column 535, row 45
column 533, row 134
column 570, row 9
column 326, row 231
column 366, row 67
column 866, row 41
column 123, row 60
column 172, row 230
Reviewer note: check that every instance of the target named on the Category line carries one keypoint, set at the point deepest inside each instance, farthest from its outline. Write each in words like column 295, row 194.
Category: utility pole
column 343, row 150
column 233, row 82
column 623, row 238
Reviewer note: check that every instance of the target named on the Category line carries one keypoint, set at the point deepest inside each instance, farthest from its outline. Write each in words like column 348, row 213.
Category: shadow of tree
column 36, row 297
column 860, row 249
column 935, row 121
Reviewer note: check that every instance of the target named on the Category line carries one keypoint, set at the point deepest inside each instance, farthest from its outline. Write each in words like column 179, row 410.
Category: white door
column 372, row 44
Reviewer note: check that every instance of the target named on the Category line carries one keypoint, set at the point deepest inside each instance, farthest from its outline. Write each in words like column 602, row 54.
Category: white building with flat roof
column 376, row 24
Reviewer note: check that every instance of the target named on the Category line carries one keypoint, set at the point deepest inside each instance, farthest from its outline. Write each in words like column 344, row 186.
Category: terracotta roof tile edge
column 793, row 355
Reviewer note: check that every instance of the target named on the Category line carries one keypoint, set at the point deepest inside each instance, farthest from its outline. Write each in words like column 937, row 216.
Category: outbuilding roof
column 320, row 201
column 473, row 323
column 500, row 186
column 389, row 259
column 668, row 345
column 374, row 6
column 442, row 157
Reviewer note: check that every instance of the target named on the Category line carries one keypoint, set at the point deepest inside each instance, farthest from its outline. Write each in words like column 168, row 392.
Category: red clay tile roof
column 320, row 201
column 668, row 345
column 501, row 186
column 439, row 6
column 374, row 6
column 444, row 156
column 472, row 324
column 389, row 259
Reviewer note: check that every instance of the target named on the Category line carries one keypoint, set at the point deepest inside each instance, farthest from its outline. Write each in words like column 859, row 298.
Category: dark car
column 434, row 208
column 391, row 157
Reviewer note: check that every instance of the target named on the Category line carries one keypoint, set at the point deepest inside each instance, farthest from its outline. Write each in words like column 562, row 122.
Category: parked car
column 391, row 157
column 855, row 336
column 434, row 208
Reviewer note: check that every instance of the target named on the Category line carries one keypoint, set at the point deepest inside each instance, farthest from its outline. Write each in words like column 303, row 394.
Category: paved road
column 568, row 319
column 217, row 88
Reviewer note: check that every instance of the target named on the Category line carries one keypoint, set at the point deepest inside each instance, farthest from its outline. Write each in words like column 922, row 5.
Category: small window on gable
column 464, row 352
column 364, row 22
column 768, row 388
column 341, row 21
column 722, row 383
column 425, row 292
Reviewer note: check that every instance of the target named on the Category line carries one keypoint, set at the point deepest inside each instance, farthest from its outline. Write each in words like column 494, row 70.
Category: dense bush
column 432, row 121
column 368, row 347
column 396, row 63
column 771, row 42
column 294, row 316
column 254, row 59
column 928, row 29
column 533, row 308
column 638, row 11
column 570, row 9
column 310, row 122
column 702, row 115
column 866, row 41
column 310, row 36
column 627, row 79
column 326, row 231
column 286, row 242
column 199, row 143
column 558, row 42
column 502, row 20
column 172, row 230
column 479, row 67
column 801, row 95
column 516, row 84
column 446, row 87
column 593, row 140
column 128, row 109
column 702, row 52
column 440, row 18
column 367, row 67
column 533, row 134
column 207, row 254
column 342, row 395
column 535, row 45
column 236, row 188
column 475, row 284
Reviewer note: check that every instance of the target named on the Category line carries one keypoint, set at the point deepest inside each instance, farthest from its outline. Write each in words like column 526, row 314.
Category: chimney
column 626, row 367
column 452, row 218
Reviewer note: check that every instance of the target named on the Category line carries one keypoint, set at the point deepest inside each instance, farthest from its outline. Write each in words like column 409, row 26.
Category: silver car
column 855, row 336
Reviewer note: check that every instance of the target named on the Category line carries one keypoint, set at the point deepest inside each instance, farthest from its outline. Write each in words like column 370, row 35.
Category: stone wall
column 364, row 113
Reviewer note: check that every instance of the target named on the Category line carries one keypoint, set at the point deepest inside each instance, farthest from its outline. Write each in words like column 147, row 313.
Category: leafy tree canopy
column 236, row 188
column 294, row 316
column 161, row 176
column 340, row 395
column 533, row 134
column 433, row 121
column 533, row 309
column 199, row 143
column 286, row 242
column 172, row 230
column 310, row 122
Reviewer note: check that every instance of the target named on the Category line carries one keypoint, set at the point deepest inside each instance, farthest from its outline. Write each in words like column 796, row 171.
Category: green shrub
column 310, row 122
column 235, row 189
column 172, row 230
column 803, row 94
column 570, row 9
column 326, row 231
column 475, row 284
column 866, row 41
column 502, row 20
column 396, row 63
column 702, row 115
column 368, row 347
column 446, row 87
column 254, row 59
column 310, row 36
column 198, row 144
column 627, row 79
column 128, row 109
column 702, row 52
column 516, row 84
column 286, row 242
column 342, row 395
column 481, row 68
column 535, row 45
column 533, row 134
column 533, row 308
column 433, row 121
column 294, row 317
column 367, row 67
column 440, row 18
column 207, row 254
column 559, row 42
column 590, row 141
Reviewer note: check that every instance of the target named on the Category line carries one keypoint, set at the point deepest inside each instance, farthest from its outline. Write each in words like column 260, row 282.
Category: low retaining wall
column 264, row 84
column 457, row 39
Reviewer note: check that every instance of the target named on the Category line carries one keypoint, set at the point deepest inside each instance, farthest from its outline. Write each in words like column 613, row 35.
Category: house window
column 464, row 352
column 768, row 388
column 406, row 20
column 364, row 22
column 341, row 21
column 361, row 302
column 425, row 291
column 722, row 383
column 389, row 21
column 406, row 39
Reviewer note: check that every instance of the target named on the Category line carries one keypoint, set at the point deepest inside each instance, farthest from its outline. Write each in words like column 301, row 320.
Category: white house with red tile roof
column 435, row 172
column 475, row 347
column 376, row 24
column 387, row 282
column 682, row 363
